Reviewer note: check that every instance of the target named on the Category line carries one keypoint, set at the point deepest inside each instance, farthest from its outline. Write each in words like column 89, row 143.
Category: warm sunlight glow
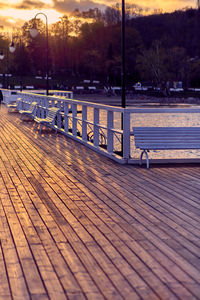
column 10, row 2
column 26, row 15
column 166, row 5
column 16, row 12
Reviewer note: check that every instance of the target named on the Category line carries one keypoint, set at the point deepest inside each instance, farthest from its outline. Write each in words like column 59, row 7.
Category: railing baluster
column 42, row 105
column 84, row 123
column 110, row 132
column 59, row 115
column 126, row 134
column 66, row 116
column 74, row 120
column 96, row 126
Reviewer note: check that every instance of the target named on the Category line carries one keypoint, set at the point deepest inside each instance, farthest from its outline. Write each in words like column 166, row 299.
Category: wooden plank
column 66, row 277
column 100, row 227
column 32, row 276
column 5, row 292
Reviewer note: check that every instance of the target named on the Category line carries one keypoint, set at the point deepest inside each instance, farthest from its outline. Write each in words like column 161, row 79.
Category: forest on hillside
column 159, row 47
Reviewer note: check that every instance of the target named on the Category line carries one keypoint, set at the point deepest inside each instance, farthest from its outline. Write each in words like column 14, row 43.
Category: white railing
column 94, row 125
column 9, row 96
column 99, row 127
column 12, row 95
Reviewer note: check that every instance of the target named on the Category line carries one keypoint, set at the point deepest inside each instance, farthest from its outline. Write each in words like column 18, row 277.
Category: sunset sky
column 13, row 13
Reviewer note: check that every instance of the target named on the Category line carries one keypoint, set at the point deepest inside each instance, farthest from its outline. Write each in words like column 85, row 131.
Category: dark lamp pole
column 2, row 56
column 12, row 49
column 123, row 69
column 123, row 57
column 34, row 33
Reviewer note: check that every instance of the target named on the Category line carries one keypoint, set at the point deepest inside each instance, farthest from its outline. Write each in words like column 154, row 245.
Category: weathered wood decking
column 76, row 225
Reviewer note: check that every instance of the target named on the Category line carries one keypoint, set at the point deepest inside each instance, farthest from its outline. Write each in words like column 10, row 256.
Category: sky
column 13, row 13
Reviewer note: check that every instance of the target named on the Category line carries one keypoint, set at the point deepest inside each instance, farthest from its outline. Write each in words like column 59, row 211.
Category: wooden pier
column 77, row 225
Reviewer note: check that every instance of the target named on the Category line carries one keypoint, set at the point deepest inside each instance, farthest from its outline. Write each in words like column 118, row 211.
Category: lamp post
column 2, row 55
column 123, row 57
column 12, row 49
column 123, row 70
column 34, row 33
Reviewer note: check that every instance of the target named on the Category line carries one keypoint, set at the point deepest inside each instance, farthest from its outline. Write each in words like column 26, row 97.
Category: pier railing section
column 10, row 96
column 97, row 126
column 107, row 129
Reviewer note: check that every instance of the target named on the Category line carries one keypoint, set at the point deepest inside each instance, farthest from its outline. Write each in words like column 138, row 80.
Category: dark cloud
column 31, row 4
column 71, row 5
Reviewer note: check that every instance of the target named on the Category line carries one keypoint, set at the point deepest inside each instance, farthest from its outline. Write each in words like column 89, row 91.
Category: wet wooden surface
column 76, row 225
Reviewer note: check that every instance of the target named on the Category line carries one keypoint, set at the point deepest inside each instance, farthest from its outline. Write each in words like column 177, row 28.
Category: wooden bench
column 31, row 112
column 49, row 120
column 165, row 138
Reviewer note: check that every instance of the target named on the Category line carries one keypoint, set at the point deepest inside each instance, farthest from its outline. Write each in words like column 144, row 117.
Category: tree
column 59, row 43
column 36, row 48
column 151, row 64
column 112, row 16
column 177, row 64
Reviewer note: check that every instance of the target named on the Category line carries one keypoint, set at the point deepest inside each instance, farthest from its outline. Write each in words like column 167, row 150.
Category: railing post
column 84, row 122
column 59, row 115
column 74, row 119
column 42, row 105
column 96, row 127
column 126, row 134
column 46, row 102
column 110, row 132
column 53, row 104
column 66, row 116
column 59, row 103
column 41, row 109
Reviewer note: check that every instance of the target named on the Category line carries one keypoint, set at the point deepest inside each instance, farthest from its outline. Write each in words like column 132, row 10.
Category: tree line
column 159, row 47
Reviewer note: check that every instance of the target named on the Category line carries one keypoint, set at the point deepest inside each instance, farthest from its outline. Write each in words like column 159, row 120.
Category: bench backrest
column 33, row 107
column 152, row 138
column 51, row 114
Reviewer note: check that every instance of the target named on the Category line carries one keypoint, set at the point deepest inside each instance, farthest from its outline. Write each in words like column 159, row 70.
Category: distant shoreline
column 136, row 100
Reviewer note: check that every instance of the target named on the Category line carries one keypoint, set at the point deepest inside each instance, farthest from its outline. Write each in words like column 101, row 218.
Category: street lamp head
column 1, row 55
column 33, row 31
column 12, row 47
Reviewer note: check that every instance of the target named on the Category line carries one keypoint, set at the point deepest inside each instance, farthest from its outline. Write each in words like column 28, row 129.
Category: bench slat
column 50, row 118
column 168, row 129
column 168, row 146
column 166, row 138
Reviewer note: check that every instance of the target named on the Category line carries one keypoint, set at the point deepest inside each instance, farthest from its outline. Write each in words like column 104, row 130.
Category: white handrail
column 79, row 125
column 106, row 137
